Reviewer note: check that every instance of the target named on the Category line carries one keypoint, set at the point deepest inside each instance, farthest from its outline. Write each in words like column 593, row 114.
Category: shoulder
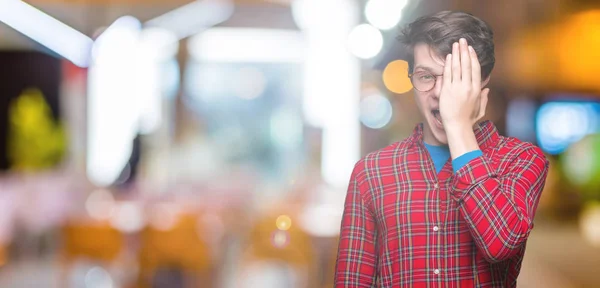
column 381, row 159
column 513, row 146
column 511, row 150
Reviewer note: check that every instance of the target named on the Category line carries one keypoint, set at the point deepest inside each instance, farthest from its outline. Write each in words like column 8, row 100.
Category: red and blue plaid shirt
column 404, row 225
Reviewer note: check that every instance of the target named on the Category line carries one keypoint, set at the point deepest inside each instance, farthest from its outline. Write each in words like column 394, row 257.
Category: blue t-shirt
column 441, row 154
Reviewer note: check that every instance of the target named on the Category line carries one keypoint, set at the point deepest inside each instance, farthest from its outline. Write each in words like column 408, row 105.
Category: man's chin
column 440, row 136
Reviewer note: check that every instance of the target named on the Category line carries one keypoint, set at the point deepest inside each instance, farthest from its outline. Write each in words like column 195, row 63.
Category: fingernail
column 471, row 49
column 462, row 40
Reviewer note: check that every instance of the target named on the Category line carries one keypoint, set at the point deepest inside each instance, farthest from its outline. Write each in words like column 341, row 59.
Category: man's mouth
column 437, row 116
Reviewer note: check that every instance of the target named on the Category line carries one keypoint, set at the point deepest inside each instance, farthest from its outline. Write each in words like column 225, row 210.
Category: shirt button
column 436, row 228
column 436, row 186
column 436, row 271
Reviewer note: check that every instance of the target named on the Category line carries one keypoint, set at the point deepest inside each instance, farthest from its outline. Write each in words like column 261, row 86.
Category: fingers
column 465, row 61
column 456, row 77
column 447, row 76
column 475, row 69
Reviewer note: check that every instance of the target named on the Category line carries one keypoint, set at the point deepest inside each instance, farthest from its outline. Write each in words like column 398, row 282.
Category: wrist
column 457, row 126
column 461, row 139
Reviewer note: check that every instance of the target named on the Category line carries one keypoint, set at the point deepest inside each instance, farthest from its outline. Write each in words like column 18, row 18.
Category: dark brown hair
column 442, row 29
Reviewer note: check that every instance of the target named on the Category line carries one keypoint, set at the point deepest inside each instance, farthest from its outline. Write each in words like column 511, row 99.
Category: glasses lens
column 423, row 81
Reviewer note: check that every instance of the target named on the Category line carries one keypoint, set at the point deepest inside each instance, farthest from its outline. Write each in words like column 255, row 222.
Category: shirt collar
column 485, row 133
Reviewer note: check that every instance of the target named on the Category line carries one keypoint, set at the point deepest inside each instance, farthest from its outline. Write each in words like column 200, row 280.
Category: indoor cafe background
column 154, row 143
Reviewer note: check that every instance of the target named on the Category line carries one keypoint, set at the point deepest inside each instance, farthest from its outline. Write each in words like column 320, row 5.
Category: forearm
column 497, row 224
column 500, row 208
column 461, row 139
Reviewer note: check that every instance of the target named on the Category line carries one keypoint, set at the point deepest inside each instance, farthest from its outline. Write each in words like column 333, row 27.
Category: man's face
column 428, row 68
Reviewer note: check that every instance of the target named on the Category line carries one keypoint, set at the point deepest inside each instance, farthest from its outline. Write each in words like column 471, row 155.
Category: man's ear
column 485, row 82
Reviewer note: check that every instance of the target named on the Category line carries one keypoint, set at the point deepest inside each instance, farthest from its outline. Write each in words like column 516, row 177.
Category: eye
column 426, row 77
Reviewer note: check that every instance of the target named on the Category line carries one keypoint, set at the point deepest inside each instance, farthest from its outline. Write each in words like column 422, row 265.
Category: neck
column 430, row 139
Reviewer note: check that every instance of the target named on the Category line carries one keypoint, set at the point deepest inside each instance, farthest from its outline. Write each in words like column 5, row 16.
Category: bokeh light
column 283, row 222
column 375, row 111
column 163, row 216
column 280, row 239
column 395, row 77
column 319, row 15
column 589, row 223
column 128, row 217
column 97, row 277
column 303, row 13
column 384, row 14
column 321, row 220
column 561, row 123
column 250, row 83
column 365, row 41
column 581, row 164
column 269, row 274
column 100, row 204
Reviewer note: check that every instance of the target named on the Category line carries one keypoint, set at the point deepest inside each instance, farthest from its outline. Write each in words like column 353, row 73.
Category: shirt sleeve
column 356, row 263
column 500, row 208
column 462, row 160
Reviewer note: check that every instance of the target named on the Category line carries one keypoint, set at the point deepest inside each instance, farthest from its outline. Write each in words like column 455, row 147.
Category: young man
column 453, row 204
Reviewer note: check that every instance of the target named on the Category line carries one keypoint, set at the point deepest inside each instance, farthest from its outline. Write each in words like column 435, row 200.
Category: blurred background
column 154, row 143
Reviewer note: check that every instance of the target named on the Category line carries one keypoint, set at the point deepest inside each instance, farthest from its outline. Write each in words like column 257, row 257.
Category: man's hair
column 442, row 29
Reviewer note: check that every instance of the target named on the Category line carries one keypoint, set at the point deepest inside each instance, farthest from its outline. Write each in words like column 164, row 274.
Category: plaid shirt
column 406, row 226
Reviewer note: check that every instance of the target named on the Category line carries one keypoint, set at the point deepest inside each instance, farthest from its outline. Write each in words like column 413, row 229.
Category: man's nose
column 437, row 89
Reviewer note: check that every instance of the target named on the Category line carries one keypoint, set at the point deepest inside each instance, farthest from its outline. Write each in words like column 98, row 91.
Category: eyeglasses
column 423, row 81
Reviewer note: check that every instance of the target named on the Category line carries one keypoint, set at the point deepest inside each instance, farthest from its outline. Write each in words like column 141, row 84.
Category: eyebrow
column 428, row 69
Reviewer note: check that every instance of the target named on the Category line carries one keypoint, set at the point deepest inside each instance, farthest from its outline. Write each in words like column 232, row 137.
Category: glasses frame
column 410, row 76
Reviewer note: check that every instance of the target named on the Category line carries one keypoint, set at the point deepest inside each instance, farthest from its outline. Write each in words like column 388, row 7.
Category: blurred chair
column 178, row 250
column 281, row 252
column 95, row 241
